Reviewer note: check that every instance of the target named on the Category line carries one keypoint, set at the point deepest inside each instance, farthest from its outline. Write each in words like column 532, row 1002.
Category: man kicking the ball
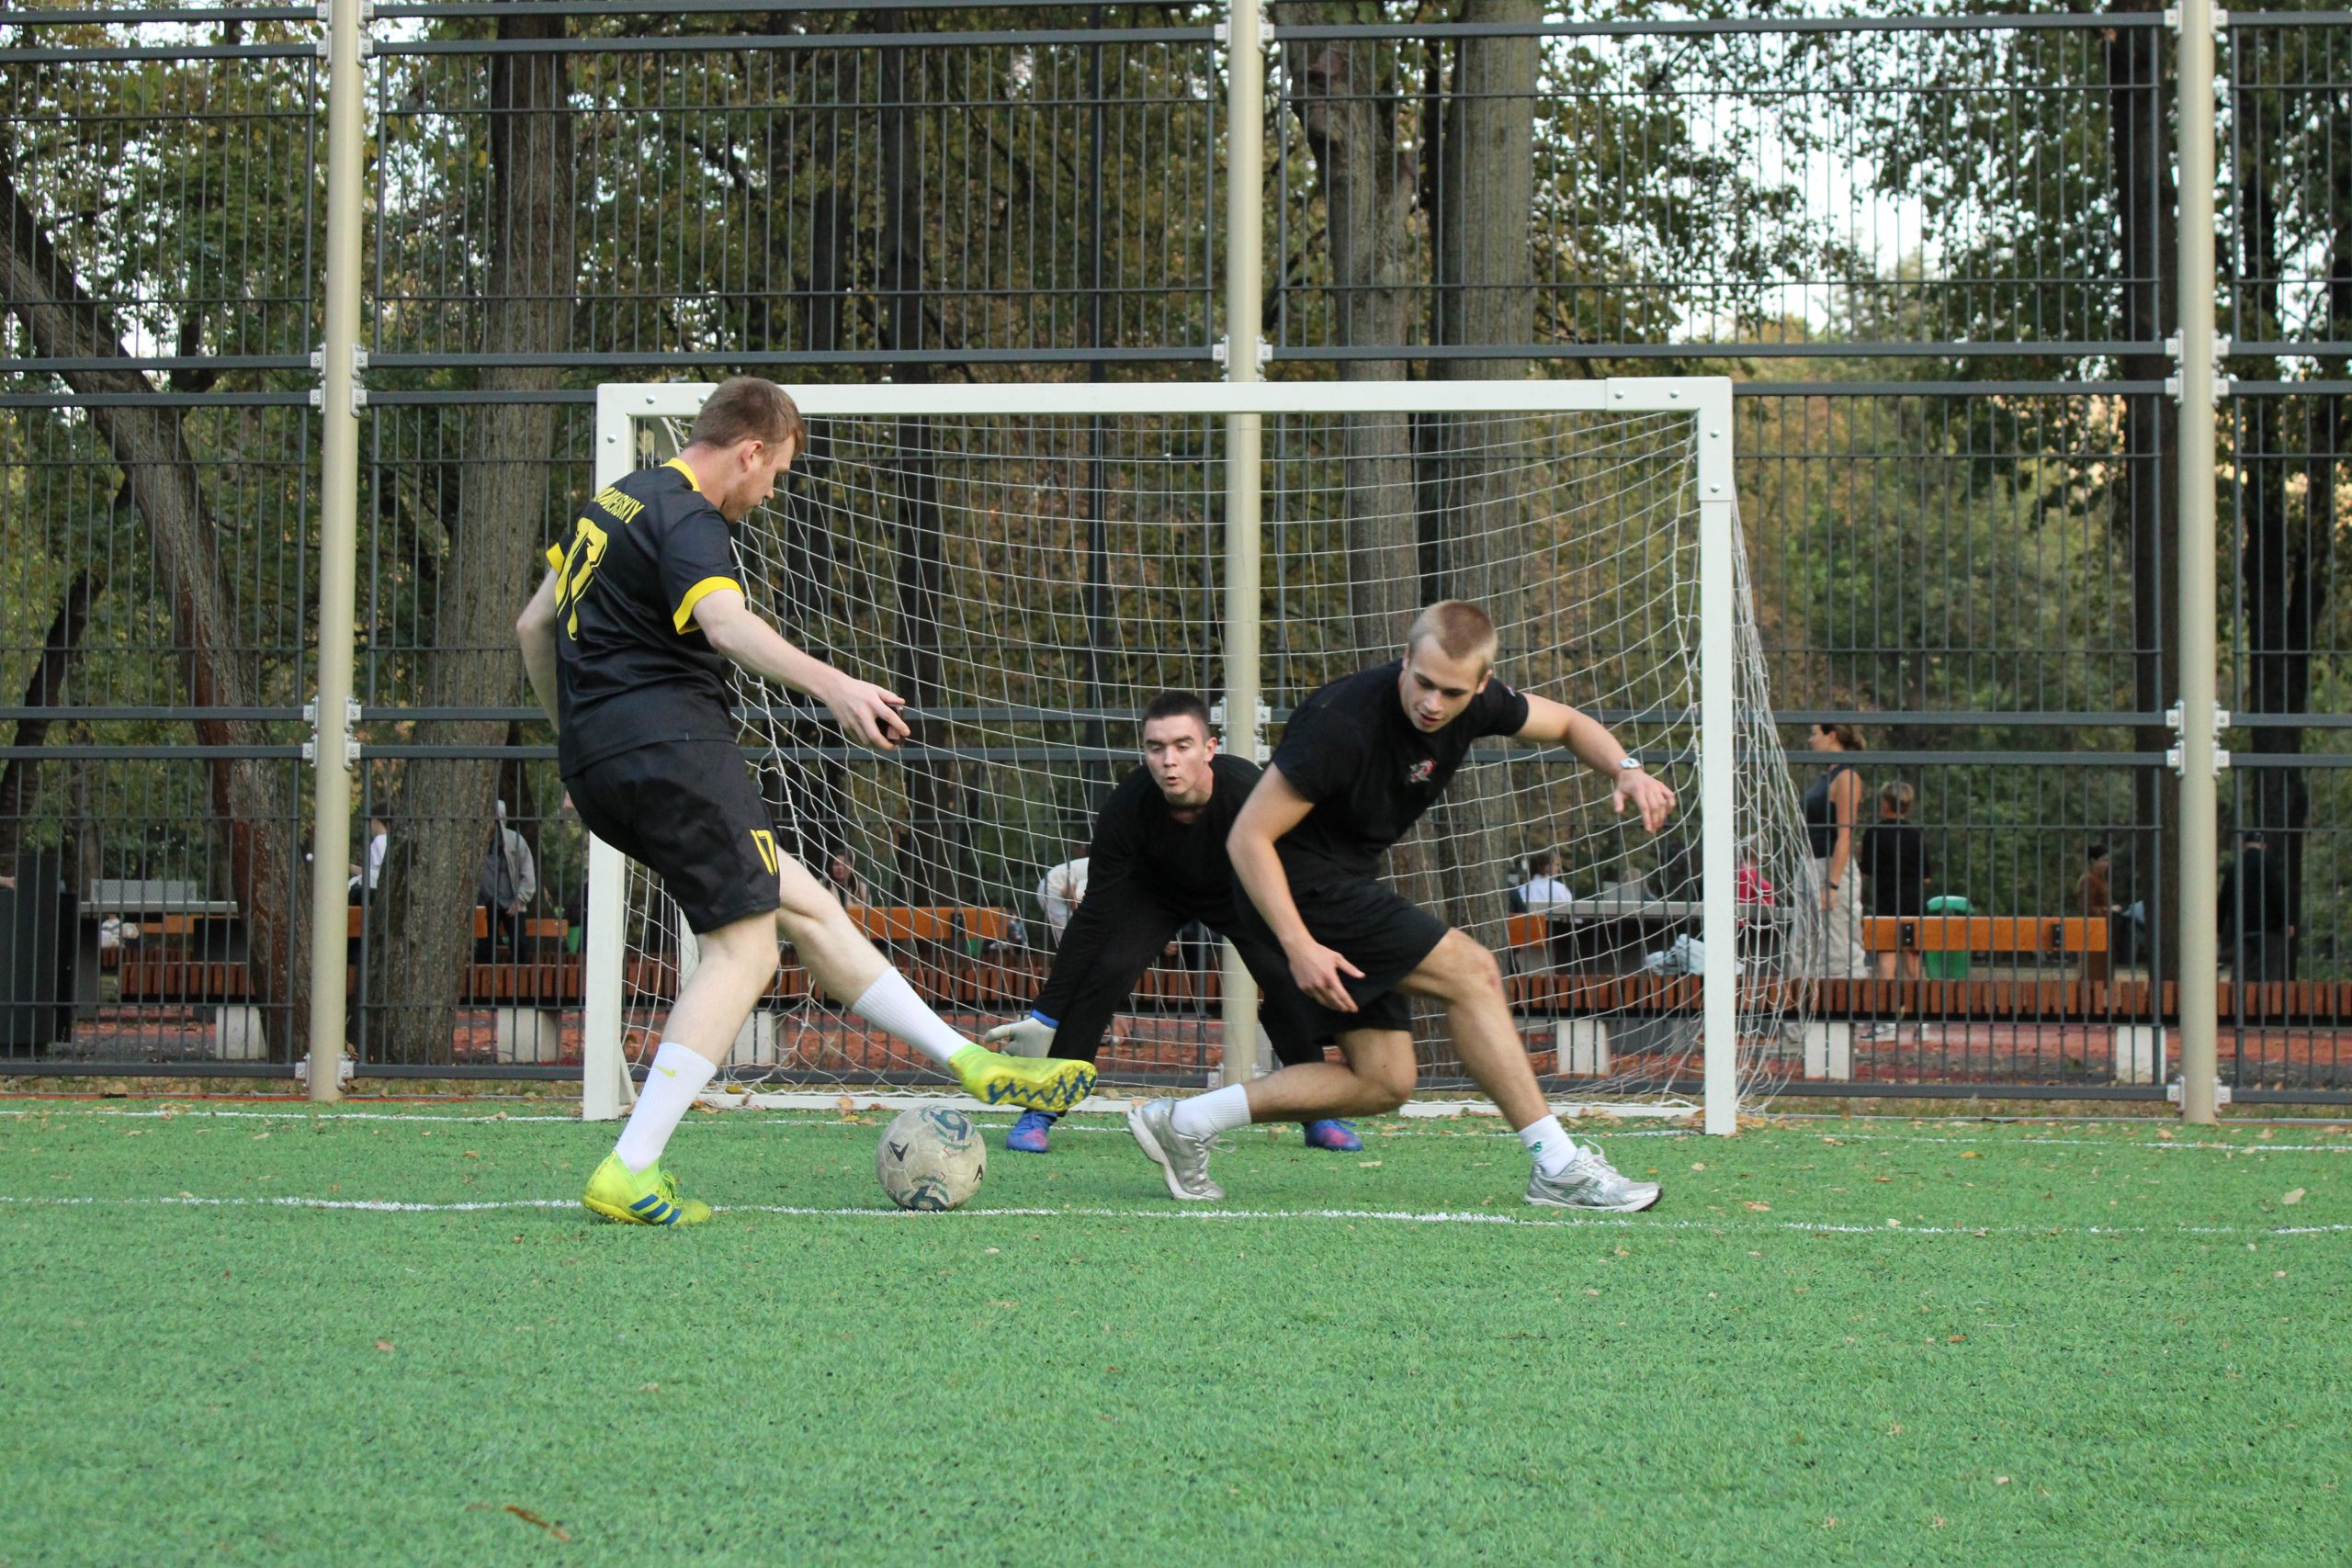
column 1158, row 863
column 1360, row 761
column 627, row 643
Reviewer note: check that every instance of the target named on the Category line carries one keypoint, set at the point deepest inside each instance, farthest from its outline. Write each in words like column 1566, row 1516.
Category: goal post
column 1037, row 560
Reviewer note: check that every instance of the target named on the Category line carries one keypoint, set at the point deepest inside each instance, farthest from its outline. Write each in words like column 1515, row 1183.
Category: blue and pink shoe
column 1028, row 1135
column 1329, row 1133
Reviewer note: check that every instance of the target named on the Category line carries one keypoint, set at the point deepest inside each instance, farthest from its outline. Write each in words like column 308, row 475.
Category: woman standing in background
column 1831, row 806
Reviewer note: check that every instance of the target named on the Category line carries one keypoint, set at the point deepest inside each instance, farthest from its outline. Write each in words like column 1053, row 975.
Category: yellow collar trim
column 680, row 464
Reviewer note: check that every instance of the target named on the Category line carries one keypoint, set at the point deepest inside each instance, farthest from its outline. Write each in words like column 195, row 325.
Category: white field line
column 1117, row 1109
column 1350, row 1217
column 996, row 1120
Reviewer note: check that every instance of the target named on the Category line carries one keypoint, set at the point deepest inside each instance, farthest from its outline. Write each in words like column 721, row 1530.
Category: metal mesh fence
column 1938, row 250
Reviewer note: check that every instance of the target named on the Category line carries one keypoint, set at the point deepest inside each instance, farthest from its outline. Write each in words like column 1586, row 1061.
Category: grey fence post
column 340, row 396
column 1244, row 434
column 2200, row 954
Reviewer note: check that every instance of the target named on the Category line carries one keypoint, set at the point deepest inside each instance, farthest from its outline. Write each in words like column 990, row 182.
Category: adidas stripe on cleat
column 648, row 1197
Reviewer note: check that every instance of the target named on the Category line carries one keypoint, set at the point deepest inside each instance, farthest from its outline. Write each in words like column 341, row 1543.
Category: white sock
column 1220, row 1111
column 1550, row 1144
column 676, row 1076
column 891, row 1003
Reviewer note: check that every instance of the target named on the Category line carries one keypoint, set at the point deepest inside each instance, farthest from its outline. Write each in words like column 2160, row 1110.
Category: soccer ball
column 930, row 1159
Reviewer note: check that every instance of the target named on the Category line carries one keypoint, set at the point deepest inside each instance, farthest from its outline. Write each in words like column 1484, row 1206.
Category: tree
column 148, row 441
column 502, row 490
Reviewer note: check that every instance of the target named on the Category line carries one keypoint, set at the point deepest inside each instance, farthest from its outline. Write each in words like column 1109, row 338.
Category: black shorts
column 689, row 811
column 1372, row 927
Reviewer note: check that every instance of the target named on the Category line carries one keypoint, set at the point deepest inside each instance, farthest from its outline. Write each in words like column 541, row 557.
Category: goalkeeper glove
column 1031, row 1036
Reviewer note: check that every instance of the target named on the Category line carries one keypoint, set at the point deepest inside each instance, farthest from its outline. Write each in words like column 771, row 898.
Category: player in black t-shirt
column 1158, row 863
column 1360, row 762
column 629, row 644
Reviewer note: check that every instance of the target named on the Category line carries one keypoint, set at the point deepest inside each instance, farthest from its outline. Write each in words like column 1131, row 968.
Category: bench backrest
column 929, row 922
column 1984, row 933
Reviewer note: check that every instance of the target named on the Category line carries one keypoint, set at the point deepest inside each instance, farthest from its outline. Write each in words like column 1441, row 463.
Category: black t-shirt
column 1894, row 859
column 632, row 668
column 1137, row 836
column 1144, row 865
column 1350, row 749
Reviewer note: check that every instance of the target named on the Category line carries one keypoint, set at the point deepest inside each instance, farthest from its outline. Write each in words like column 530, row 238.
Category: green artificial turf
column 1871, row 1343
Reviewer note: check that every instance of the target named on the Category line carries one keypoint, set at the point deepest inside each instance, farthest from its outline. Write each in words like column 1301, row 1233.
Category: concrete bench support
column 1828, row 1049
column 529, row 1035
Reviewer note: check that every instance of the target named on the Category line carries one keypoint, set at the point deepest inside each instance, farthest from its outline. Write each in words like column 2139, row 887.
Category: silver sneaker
column 1591, row 1182
column 1183, row 1161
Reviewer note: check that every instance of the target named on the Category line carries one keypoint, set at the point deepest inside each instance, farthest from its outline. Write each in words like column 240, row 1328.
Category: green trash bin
column 1946, row 966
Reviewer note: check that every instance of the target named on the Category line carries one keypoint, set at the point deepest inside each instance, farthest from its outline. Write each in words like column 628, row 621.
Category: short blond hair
column 1897, row 797
column 1460, row 629
column 747, row 408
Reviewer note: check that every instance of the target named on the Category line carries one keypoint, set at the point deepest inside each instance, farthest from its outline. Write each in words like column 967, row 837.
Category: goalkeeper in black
column 1159, row 863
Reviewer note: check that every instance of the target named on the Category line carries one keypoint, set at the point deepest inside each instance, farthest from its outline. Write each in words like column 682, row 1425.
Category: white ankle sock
column 1550, row 1144
column 891, row 1003
column 676, row 1076
column 1220, row 1111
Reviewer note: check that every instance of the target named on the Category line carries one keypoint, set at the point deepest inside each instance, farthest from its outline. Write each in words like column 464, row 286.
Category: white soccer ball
column 930, row 1159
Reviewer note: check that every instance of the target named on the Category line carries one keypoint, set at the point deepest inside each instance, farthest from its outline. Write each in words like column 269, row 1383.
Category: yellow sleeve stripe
column 554, row 559
column 698, row 593
column 680, row 464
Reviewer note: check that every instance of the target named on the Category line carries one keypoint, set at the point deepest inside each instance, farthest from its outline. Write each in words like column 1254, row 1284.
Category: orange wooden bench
column 1993, row 935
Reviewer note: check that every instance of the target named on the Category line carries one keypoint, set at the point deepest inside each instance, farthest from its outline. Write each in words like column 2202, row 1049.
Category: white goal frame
column 1706, row 399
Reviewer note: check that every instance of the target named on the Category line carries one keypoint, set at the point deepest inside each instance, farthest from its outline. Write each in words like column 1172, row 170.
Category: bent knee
column 1466, row 968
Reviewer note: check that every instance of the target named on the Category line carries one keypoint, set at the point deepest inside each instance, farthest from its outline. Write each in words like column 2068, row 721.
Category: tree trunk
column 150, row 444
column 60, row 648
column 445, row 807
column 2282, row 594
column 1367, row 192
column 2330, row 428
column 930, row 852
column 1487, row 295
column 2148, row 492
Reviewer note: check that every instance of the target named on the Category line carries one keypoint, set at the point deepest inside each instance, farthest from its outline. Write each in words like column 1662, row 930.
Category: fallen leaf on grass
column 1367, row 1164
column 529, row 1517
column 1755, row 1207
column 1970, row 1154
column 1700, row 1165
column 2294, row 1197
column 385, row 1345
column 2000, row 1481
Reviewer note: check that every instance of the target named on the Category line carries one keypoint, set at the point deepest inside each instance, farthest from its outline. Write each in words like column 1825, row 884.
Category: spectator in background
column 1541, row 889
column 1060, row 892
column 1895, row 862
column 1831, row 806
column 2254, row 908
column 509, row 880
column 2094, row 900
column 841, row 875
column 364, row 882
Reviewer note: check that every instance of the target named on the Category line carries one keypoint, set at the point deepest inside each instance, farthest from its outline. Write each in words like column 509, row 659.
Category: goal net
column 1030, row 565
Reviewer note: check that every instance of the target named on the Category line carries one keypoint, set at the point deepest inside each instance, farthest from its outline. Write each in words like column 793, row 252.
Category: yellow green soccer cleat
column 1039, row 1083
column 648, row 1197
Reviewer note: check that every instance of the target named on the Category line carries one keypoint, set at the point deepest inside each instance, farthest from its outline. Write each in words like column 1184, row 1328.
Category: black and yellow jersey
column 633, row 670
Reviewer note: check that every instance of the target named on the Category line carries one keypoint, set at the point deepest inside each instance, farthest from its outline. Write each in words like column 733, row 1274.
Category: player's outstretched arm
column 535, row 631
column 1273, row 808
column 868, row 714
column 1550, row 723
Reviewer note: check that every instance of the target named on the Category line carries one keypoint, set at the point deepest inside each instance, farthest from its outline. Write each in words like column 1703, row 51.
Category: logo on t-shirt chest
column 1421, row 773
